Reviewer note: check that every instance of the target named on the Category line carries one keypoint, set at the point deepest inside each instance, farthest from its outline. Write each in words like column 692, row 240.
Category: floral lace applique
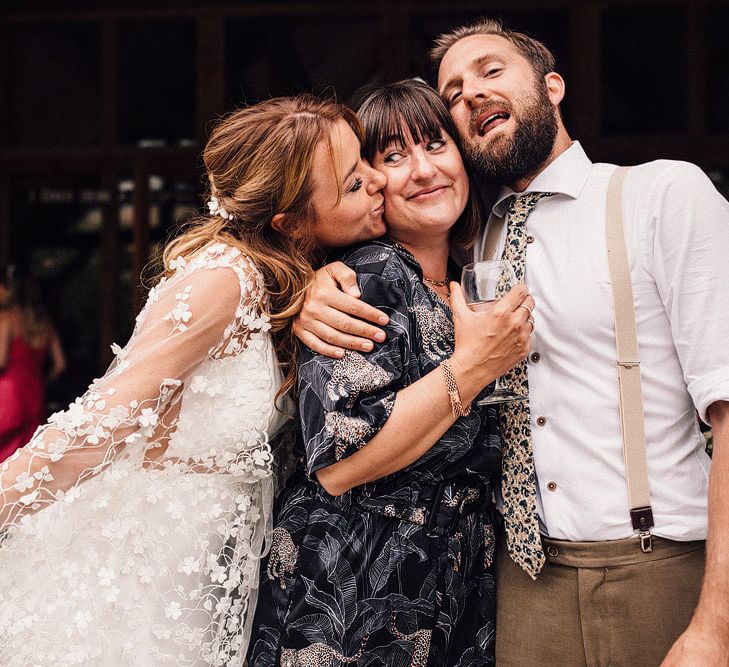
column 139, row 514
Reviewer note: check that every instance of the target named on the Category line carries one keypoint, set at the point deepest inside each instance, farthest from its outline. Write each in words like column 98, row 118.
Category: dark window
column 717, row 58
column 55, row 84
column 157, row 81
column 644, row 70
column 268, row 57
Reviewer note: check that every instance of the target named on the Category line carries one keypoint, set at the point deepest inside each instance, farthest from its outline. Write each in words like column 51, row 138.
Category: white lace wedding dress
column 134, row 521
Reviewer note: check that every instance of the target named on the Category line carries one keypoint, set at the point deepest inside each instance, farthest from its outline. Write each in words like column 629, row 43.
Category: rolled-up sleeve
column 690, row 264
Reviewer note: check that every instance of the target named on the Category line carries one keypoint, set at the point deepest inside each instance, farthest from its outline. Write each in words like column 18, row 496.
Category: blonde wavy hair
column 259, row 163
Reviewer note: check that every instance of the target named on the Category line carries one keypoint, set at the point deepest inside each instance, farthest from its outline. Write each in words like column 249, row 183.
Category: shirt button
column 529, row 238
column 552, row 551
column 551, row 486
column 535, row 357
column 541, row 421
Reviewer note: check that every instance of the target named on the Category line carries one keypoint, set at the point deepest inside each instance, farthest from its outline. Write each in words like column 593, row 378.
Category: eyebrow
column 476, row 62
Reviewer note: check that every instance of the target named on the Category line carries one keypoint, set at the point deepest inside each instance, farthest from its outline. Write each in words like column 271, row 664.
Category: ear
column 555, row 88
column 277, row 222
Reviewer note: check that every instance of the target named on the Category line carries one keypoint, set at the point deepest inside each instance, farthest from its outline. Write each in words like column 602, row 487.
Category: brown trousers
column 596, row 604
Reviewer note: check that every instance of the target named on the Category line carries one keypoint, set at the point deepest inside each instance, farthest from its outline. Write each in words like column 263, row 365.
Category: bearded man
column 581, row 581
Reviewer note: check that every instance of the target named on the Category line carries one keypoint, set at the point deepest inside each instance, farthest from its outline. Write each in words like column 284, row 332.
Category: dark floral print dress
column 397, row 572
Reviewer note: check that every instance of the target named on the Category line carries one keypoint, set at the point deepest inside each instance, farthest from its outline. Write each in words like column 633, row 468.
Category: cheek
column 463, row 187
column 461, row 117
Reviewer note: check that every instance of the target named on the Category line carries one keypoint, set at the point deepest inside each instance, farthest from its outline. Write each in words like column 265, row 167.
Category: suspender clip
column 646, row 542
column 629, row 364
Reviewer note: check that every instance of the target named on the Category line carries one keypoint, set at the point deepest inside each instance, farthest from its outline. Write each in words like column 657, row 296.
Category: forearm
column 713, row 607
column 421, row 415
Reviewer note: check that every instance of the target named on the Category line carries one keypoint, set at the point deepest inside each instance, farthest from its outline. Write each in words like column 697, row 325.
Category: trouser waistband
column 613, row 552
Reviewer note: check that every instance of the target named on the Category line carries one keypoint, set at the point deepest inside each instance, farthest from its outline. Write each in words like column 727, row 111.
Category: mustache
column 485, row 108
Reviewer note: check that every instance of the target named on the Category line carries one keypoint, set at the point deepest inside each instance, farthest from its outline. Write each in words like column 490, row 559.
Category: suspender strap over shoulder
column 628, row 363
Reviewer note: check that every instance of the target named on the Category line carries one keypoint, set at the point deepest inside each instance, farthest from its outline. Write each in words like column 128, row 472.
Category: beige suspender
column 628, row 360
column 631, row 394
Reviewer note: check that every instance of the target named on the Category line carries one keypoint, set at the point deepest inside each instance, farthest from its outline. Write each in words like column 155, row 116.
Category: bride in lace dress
column 133, row 523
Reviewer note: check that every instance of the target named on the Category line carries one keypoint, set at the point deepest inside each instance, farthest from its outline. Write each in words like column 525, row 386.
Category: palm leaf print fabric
column 397, row 572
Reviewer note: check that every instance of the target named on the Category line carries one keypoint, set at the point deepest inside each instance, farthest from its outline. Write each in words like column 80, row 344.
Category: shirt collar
column 565, row 175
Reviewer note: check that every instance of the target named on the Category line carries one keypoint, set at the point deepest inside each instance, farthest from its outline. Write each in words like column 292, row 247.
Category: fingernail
column 367, row 346
column 339, row 354
column 380, row 336
column 383, row 319
column 354, row 291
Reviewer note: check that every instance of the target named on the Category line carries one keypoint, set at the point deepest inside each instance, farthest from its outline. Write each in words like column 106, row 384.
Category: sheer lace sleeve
column 207, row 310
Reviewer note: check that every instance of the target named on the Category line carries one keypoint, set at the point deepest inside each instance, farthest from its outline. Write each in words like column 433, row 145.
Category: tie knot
column 521, row 205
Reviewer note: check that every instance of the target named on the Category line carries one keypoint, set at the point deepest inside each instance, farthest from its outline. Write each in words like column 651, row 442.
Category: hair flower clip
column 216, row 209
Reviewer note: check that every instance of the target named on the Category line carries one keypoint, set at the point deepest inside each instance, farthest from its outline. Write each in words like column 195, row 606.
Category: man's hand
column 333, row 318
column 697, row 647
column 706, row 640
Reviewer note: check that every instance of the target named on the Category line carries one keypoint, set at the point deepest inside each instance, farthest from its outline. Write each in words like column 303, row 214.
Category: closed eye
column 356, row 185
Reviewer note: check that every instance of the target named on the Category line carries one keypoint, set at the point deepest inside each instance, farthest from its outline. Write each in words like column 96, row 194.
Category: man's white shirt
column 677, row 233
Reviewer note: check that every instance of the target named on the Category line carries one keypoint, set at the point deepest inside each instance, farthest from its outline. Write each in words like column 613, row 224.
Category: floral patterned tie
column 518, row 476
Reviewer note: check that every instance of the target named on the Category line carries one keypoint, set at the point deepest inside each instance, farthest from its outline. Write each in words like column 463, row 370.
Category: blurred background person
column 30, row 355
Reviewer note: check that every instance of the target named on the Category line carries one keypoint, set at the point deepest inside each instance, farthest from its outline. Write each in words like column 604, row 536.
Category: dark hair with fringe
column 413, row 107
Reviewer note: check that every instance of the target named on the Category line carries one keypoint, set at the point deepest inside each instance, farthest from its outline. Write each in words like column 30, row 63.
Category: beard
column 507, row 160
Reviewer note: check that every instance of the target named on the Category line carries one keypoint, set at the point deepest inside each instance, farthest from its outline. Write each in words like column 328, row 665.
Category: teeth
column 489, row 119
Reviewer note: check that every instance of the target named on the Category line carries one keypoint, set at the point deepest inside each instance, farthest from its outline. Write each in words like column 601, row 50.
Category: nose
column 474, row 92
column 376, row 180
column 423, row 168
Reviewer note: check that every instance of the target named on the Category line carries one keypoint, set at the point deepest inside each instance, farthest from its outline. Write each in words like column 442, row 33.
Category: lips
column 379, row 208
column 424, row 193
column 487, row 118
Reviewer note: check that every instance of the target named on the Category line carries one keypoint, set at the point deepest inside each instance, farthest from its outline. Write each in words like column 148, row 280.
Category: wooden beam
column 110, row 81
column 82, row 159
column 706, row 150
column 141, row 203
column 5, row 231
column 697, row 69
column 5, row 92
column 209, row 72
column 394, row 46
column 584, row 86
column 109, row 310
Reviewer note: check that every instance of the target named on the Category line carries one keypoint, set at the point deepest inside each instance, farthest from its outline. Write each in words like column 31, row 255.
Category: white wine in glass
column 484, row 283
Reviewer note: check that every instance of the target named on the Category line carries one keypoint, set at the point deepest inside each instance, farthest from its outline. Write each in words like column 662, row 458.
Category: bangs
column 393, row 111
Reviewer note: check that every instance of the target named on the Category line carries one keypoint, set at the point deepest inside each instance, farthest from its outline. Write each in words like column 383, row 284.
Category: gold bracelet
column 453, row 393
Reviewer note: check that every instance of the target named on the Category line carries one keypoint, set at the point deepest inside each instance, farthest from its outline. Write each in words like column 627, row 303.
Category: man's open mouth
column 487, row 122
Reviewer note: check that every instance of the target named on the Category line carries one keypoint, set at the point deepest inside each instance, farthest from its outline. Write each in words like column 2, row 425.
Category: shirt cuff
column 709, row 389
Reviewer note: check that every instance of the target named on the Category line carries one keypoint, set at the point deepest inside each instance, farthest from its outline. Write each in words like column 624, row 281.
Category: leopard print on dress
column 318, row 655
column 518, row 476
column 422, row 643
column 283, row 556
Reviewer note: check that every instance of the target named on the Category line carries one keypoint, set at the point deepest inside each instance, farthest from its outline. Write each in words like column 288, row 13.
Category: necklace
column 437, row 283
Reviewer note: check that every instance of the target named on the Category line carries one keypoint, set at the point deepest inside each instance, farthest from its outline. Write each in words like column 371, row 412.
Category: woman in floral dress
column 383, row 548
column 135, row 520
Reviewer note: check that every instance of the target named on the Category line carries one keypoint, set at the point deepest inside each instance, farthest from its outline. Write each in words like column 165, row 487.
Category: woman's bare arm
column 58, row 358
column 5, row 339
column 487, row 345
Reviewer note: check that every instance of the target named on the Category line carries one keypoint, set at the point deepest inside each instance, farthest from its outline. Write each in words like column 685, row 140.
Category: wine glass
column 484, row 283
